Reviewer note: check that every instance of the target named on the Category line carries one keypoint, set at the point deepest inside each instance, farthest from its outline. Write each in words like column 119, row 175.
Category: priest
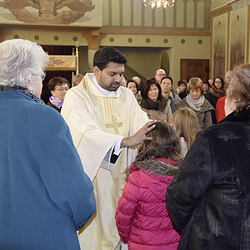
column 107, row 125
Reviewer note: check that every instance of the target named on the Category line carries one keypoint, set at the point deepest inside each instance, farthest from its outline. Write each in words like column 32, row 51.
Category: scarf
column 159, row 104
column 195, row 104
column 218, row 93
column 29, row 94
column 56, row 101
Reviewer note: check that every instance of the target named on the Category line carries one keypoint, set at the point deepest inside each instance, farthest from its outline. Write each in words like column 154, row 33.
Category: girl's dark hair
column 165, row 144
column 146, row 87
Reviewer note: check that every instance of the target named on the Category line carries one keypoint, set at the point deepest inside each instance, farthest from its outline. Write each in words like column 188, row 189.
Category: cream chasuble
column 96, row 122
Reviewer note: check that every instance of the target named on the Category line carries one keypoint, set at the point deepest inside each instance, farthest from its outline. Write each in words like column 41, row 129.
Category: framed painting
column 219, row 49
column 51, row 12
column 238, row 37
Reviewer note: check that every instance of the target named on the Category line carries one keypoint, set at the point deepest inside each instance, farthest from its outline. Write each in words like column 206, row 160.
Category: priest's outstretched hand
column 139, row 136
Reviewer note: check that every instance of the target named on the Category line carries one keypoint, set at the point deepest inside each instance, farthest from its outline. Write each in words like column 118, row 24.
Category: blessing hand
column 139, row 136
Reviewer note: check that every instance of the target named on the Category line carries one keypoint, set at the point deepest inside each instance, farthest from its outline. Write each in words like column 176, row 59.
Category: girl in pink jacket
column 142, row 219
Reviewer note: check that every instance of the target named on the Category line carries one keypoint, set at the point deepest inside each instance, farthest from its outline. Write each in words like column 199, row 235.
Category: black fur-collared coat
column 209, row 199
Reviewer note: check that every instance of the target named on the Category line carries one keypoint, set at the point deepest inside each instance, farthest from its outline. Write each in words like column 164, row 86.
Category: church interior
column 193, row 37
column 198, row 40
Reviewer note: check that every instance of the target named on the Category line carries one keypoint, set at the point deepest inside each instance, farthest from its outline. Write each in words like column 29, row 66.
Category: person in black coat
column 211, row 98
column 209, row 199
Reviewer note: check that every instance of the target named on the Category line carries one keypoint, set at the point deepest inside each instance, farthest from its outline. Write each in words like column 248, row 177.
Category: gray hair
column 20, row 59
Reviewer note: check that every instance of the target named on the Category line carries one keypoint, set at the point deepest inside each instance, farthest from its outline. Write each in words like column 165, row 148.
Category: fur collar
column 160, row 168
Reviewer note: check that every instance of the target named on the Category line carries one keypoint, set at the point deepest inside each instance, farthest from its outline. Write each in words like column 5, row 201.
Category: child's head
column 165, row 144
column 206, row 86
column 186, row 124
column 182, row 85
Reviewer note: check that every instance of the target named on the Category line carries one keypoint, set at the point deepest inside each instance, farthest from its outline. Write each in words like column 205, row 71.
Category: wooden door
column 195, row 67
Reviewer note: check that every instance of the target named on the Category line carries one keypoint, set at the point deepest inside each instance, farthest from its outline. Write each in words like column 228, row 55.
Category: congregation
column 158, row 98
column 118, row 163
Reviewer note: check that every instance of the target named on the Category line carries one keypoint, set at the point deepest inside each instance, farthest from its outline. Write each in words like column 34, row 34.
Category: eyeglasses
column 62, row 89
column 161, row 74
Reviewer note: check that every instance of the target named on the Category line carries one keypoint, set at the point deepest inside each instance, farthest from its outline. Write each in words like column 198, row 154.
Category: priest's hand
column 139, row 136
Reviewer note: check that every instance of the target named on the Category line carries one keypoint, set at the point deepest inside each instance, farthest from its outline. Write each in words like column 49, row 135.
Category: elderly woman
column 45, row 195
column 153, row 103
column 197, row 102
column 209, row 199
column 58, row 87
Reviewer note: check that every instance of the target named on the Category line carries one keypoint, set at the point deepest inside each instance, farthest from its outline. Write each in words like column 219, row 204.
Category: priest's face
column 110, row 77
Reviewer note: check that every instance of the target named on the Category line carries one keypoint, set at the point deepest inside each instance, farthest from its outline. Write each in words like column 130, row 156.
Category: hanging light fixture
column 159, row 3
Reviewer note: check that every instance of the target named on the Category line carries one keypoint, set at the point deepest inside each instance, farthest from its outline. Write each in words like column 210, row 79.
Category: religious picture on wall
column 65, row 12
column 219, row 45
column 238, row 29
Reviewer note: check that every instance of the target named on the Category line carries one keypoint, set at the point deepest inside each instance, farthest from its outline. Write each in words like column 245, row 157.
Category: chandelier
column 159, row 3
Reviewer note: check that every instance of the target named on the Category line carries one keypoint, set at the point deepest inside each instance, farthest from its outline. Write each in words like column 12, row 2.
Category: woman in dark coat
column 209, row 200
column 153, row 103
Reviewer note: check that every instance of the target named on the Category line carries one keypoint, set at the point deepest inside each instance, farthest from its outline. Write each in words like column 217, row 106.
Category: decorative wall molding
column 155, row 32
column 221, row 11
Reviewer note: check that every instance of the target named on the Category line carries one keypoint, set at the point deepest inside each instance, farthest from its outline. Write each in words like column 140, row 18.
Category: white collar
column 104, row 91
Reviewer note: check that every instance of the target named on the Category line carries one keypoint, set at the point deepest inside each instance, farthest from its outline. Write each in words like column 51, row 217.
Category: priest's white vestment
column 96, row 122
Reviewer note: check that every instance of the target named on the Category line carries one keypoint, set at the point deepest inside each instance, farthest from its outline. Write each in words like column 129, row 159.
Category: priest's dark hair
column 108, row 54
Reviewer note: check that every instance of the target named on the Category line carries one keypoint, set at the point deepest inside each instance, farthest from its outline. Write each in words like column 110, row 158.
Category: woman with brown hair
column 209, row 199
column 153, row 103
column 197, row 102
column 58, row 87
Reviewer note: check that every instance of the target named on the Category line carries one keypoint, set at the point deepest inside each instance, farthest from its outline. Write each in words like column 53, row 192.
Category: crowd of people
column 115, row 163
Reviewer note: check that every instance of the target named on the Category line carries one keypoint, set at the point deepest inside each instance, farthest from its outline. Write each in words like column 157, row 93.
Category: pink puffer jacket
column 141, row 217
